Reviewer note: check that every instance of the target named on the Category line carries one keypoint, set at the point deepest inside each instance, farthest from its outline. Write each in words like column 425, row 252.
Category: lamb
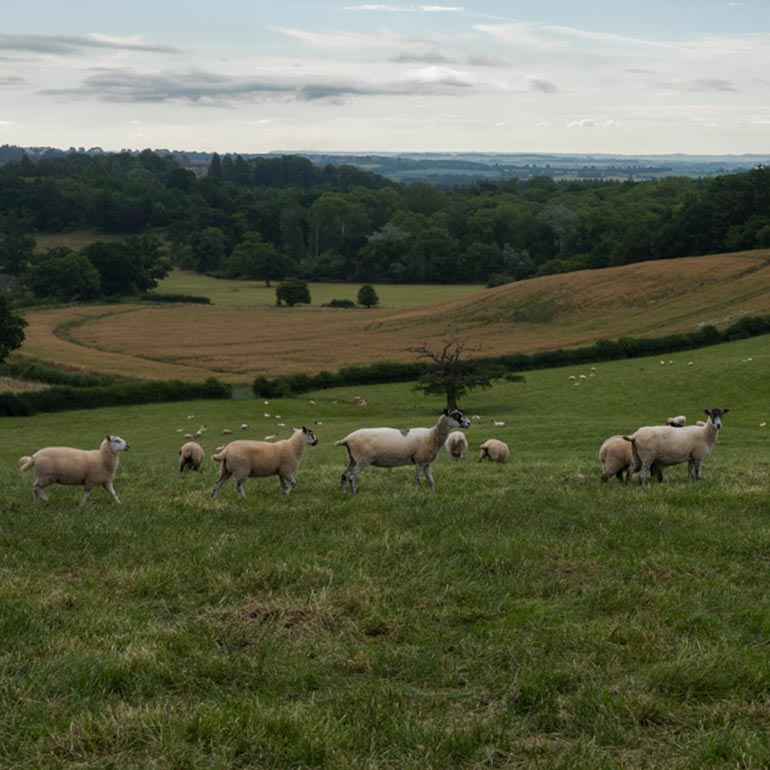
column 676, row 422
column 249, row 459
column 457, row 444
column 88, row 468
column 616, row 456
column 494, row 450
column 389, row 447
column 190, row 456
column 664, row 445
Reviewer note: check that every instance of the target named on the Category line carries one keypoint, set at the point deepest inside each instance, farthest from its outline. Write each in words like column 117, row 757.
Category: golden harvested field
column 191, row 342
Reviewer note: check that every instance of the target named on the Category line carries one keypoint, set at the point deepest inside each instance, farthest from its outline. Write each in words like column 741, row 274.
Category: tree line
column 272, row 218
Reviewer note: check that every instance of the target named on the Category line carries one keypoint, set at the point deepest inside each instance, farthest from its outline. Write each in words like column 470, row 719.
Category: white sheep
column 616, row 456
column 457, row 444
column 664, row 445
column 676, row 422
column 494, row 450
column 249, row 459
column 390, row 447
column 190, row 456
column 88, row 468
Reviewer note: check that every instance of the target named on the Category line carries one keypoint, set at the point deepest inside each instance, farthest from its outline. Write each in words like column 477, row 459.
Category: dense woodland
column 269, row 218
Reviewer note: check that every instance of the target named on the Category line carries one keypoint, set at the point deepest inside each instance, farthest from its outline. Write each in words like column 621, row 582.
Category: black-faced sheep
column 88, row 468
column 390, row 447
column 494, row 450
column 664, row 445
column 249, row 459
column 190, row 456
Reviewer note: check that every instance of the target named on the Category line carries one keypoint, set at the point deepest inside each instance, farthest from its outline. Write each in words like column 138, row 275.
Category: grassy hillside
column 237, row 343
column 523, row 615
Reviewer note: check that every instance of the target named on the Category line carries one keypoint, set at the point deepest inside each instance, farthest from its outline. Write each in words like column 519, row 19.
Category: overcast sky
column 609, row 76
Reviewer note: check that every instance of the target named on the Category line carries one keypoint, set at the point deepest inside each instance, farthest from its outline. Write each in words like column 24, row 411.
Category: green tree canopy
column 292, row 291
column 367, row 296
column 11, row 328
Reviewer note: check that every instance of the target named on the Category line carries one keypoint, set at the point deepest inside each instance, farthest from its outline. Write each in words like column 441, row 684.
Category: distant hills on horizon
column 460, row 168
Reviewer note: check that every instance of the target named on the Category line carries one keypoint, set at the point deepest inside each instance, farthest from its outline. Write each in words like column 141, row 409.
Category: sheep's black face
column 458, row 417
column 716, row 416
column 310, row 437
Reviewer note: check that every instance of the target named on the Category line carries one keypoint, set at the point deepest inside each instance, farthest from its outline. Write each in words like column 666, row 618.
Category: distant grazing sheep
column 457, row 444
column 249, row 459
column 190, row 456
column 494, row 450
column 676, row 422
column 663, row 445
column 88, row 468
column 390, row 447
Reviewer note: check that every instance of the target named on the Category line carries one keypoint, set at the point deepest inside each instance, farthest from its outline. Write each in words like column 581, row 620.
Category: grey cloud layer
column 214, row 89
column 68, row 45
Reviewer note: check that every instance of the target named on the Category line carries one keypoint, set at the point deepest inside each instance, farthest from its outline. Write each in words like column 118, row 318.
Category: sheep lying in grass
column 249, row 459
column 389, row 447
column 88, row 468
column 494, row 450
column 616, row 456
column 663, row 445
column 676, row 422
column 190, row 456
column 457, row 444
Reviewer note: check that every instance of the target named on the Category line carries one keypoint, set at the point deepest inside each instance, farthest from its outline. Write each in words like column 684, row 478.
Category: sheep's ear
column 446, row 411
column 707, row 411
column 108, row 437
column 725, row 411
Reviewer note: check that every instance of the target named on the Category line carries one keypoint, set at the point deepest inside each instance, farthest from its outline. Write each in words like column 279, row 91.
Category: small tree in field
column 292, row 291
column 454, row 377
column 367, row 296
column 11, row 328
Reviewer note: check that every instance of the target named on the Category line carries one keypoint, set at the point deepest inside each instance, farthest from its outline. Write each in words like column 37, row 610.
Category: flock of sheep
column 648, row 450
column 244, row 459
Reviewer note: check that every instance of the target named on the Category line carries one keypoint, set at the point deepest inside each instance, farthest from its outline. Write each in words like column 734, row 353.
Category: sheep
column 457, row 444
column 390, row 447
column 494, row 450
column 88, row 468
column 190, row 456
column 248, row 459
column 616, row 455
column 664, row 445
column 676, row 422
column 227, row 431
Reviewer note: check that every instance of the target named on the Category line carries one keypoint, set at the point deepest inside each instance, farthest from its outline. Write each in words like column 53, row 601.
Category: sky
column 588, row 76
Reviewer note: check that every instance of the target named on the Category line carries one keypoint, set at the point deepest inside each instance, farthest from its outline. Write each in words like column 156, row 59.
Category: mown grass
column 523, row 615
column 227, row 292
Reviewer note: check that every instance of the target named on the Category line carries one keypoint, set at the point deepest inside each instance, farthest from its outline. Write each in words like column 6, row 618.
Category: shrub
column 192, row 298
column 292, row 291
column 341, row 303
column 367, row 296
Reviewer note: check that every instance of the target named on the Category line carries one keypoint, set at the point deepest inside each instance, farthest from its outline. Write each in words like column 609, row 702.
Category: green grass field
column 523, row 615
column 226, row 292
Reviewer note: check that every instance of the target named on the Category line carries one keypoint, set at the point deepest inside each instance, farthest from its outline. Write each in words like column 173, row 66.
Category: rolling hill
column 561, row 311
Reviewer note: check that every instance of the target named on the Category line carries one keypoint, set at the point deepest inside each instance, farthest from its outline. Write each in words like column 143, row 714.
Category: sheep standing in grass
column 88, row 468
column 616, row 456
column 494, row 450
column 457, row 444
column 390, row 447
column 664, row 445
column 249, row 459
column 190, row 456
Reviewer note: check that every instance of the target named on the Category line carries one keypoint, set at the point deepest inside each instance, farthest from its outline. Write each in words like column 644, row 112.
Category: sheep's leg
column 645, row 469
column 693, row 473
column 429, row 476
column 86, row 495
column 108, row 486
column 38, row 493
column 352, row 473
column 224, row 475
column 239, row 487
column 418, row 473
column 287, row 483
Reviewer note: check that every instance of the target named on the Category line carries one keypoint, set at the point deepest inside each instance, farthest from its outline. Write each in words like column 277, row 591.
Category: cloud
column 591, row 123
column 541, row 84
column 215, row 90
column 404, row 8
column 68, row 45
column 521, row 34
column 428, row 57
column 12, row 81
column 486, row 61
column 341, row 40
column 718, row 85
